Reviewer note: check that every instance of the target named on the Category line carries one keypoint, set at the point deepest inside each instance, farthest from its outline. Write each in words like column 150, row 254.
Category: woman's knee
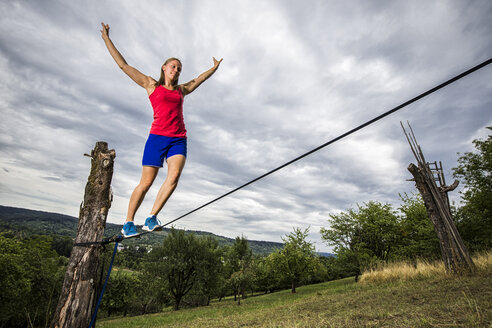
column 175, row 165
column 148, row 177
column 144, row 186
column 173, row 177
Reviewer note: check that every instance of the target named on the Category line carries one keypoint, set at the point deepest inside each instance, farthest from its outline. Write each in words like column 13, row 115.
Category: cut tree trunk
column 78, row 295
column 453, row 251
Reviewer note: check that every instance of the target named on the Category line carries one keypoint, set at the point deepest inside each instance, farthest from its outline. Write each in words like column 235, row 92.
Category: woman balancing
column 167, row 138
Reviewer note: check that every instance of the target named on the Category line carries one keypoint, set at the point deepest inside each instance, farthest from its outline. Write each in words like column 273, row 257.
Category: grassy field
column 428, row 298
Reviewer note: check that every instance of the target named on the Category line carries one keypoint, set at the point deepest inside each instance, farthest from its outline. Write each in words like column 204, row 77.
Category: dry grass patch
column 404, row 271
column 483, row 262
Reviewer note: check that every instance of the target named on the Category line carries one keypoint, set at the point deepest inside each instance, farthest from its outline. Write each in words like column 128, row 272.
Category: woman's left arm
column 190, row 86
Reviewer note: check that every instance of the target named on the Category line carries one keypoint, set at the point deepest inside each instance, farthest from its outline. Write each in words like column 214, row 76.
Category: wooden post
column 453, row 251
column 77, row 297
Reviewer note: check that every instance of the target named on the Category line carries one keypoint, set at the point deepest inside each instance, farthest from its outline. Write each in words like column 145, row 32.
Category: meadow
column 398, row 295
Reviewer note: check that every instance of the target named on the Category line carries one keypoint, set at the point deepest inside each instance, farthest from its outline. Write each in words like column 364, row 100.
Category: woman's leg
column 148, row 176
column 175, row 165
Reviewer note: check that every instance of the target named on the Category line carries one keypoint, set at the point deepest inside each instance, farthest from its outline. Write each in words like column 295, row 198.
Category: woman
column 167, row 138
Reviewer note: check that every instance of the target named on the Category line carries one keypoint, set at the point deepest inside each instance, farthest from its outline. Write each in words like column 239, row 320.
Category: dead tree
column 453, row 251
column 78, row 294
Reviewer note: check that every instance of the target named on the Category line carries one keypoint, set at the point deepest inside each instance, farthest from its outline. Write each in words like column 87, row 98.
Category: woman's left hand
column 217, row 62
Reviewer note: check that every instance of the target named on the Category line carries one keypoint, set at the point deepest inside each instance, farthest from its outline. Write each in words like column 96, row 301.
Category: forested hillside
column 30, row 222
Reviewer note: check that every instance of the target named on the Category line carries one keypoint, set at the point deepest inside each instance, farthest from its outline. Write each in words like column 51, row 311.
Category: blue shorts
column 159, row 148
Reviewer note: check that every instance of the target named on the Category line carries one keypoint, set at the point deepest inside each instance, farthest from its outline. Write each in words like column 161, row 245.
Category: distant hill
column 29, row 222
column 324, row 254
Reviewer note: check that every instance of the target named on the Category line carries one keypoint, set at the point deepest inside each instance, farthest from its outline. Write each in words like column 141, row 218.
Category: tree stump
column 453, row 251
column 78, row 295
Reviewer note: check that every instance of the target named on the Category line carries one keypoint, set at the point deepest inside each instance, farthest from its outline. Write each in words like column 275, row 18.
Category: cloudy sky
column 295, row 75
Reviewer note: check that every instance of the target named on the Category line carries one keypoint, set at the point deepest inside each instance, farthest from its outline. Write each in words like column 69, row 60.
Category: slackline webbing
column 391, row 111
column 94, row 315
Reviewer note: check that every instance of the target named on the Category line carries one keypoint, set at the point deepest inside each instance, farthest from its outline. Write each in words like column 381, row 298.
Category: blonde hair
column 162, row 79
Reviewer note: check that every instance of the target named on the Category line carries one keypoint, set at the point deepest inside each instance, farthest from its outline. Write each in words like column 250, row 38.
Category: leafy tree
column 176, row 262
column 364, row 237
column 14, row 281
column 30, row 277
column 120, row 294
column 474, row 218
column 240, row 280
column 319, row 274
column 264, row 274
column 333, row 269
column 62, row 245
column 152, row 291
column 209, row 269
column 131, row 257
column 239, row 252
column 418, row 237
column 238, row 261
column 45, row 276
column 297, row 259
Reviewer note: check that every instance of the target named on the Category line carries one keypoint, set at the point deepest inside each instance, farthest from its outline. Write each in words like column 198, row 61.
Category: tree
column 332, row 269
column 240, row 280
column 474, row 218
column 297, row 260
column 30, row 277
column 209, row 268
column 45, row 276
column 418, row 238
column 239, row 252
column 152, row 291
column 62, row 245
column 14, row 280
column 120, row 294
column 263, row 274
column 364, row 237
column 176, row 261
column 131, row 257
column 238, row 261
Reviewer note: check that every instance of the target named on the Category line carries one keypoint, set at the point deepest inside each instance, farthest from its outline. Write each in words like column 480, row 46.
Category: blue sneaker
column 129, row 229
column 152, row 223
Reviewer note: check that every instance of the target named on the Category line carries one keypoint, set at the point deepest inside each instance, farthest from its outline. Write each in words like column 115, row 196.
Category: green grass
column 443, row 301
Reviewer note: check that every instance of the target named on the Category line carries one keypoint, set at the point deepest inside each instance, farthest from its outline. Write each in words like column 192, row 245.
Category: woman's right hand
column 143, row 80
column 105, row 30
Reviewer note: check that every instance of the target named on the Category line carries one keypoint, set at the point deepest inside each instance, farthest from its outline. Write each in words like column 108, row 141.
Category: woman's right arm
column 141, row 79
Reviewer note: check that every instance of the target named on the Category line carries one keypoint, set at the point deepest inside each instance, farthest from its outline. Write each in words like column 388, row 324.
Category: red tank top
column 168, row 112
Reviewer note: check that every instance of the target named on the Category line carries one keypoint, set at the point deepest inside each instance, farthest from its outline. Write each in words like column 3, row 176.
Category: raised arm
column 141, row 79
column 190, row 86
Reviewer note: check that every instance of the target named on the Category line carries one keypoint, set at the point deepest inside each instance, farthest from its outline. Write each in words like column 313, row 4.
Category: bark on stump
column 78, row 296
